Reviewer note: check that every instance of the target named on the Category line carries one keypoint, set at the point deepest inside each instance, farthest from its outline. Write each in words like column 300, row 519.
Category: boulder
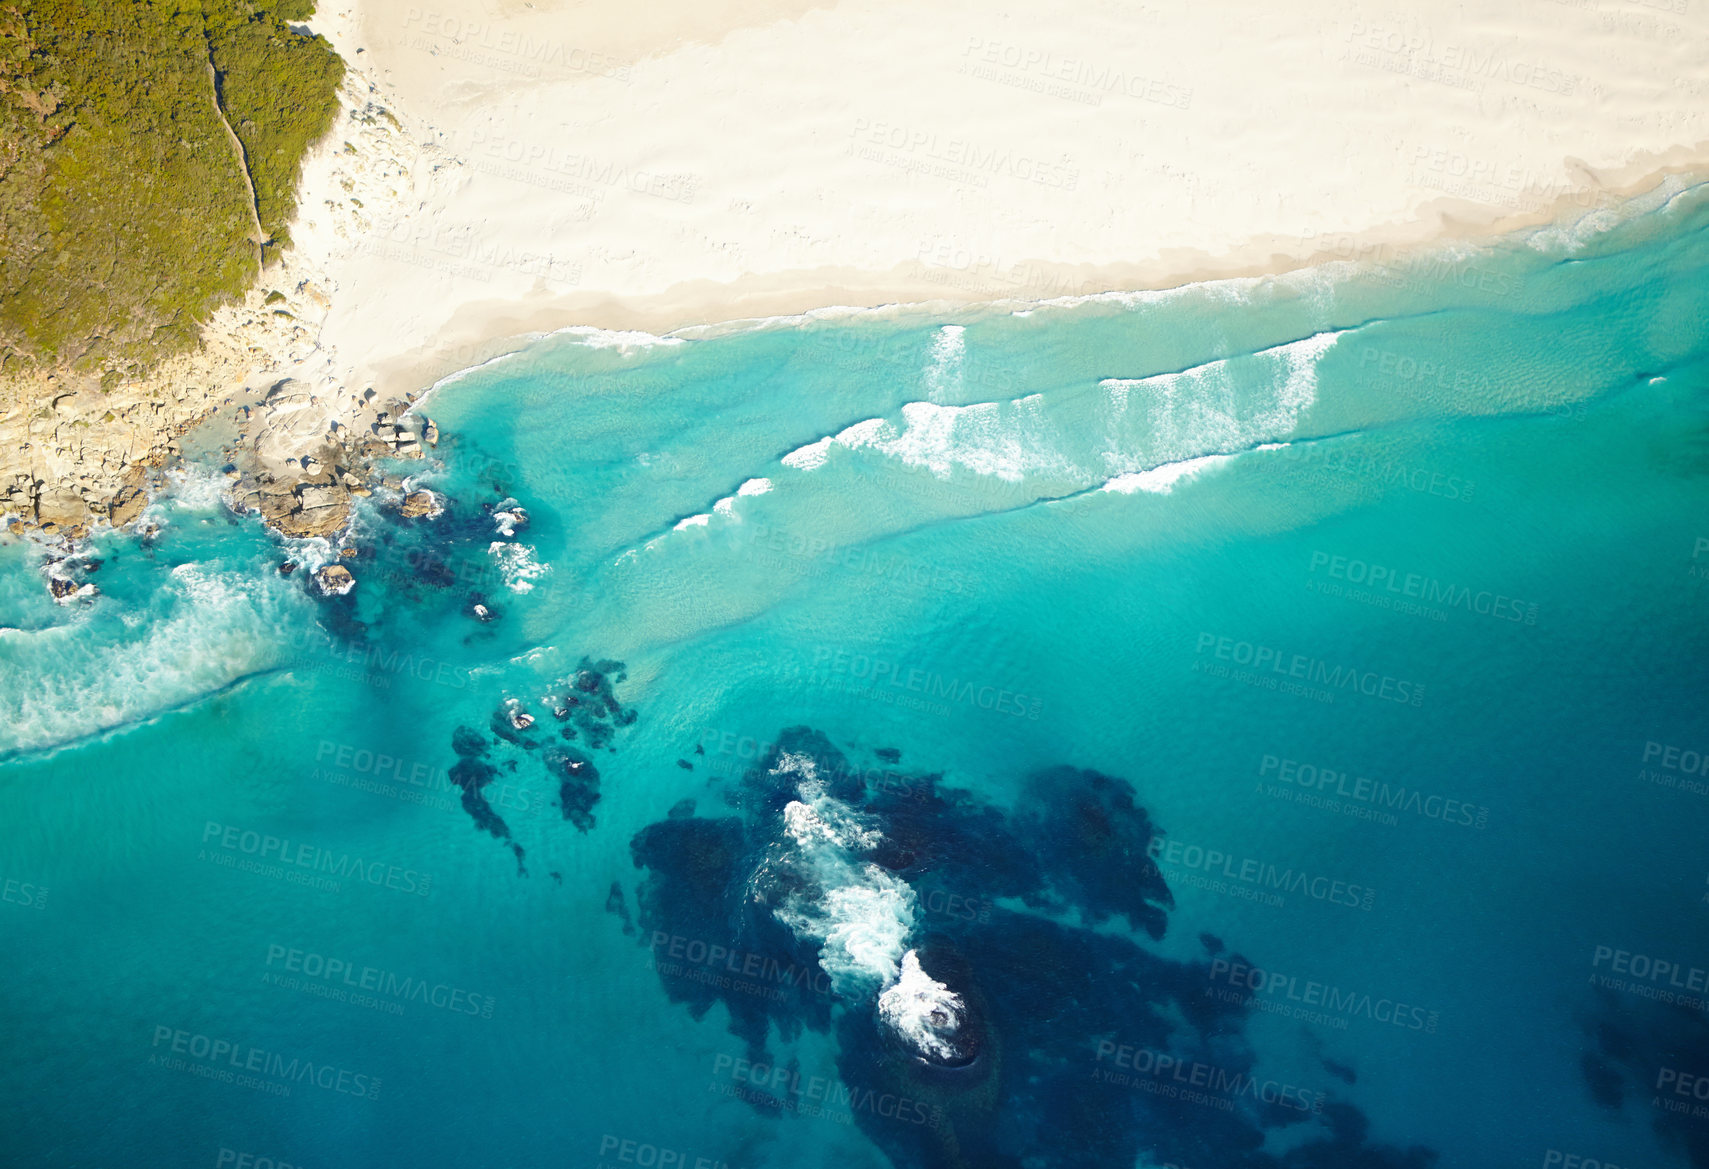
column 420, row 503
column 126, row 506
column 322, row 495
column 335, row 580
column 63, row 508
column 322, row 521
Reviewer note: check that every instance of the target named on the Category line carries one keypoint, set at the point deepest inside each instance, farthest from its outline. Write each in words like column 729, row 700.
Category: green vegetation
column 125, row 205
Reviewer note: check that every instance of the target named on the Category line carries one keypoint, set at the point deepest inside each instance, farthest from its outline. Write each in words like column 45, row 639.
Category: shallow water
column 1255, row 724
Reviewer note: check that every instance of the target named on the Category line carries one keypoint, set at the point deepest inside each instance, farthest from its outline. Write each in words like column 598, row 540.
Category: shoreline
column 494, row 177
column 504, row 329
column 507, row 328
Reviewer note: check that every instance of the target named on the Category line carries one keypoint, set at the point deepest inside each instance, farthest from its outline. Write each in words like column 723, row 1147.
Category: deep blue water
column 1259, row 724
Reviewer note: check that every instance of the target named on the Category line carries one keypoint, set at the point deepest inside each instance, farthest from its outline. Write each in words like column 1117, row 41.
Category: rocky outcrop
column 418, row 504
column 508, row 517
column 125, row 506
column 73, row 451
column 398, row 437
column 335, row 580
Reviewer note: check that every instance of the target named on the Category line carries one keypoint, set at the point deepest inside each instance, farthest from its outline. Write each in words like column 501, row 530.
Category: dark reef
column 1077, row 1046
column 587, row 707
column 1650, row 1060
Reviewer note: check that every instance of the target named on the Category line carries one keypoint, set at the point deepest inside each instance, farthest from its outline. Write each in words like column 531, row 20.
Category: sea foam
column 922, row 1010
column 205, row 630
column 861, row 915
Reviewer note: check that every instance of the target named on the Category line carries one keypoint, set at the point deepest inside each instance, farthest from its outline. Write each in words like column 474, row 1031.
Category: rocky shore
column 298, row 441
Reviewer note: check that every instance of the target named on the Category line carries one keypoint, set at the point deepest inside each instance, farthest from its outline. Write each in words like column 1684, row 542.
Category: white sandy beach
column 594, row 164
column 504, row 168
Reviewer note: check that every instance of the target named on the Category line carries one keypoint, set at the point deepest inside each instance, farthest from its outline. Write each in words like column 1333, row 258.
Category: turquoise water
column 1259, row 724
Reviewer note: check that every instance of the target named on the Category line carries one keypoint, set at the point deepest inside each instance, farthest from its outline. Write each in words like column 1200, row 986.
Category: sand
column 592, row 164
column 505, row 168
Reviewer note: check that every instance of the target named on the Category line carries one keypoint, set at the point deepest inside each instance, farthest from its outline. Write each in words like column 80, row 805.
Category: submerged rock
column 508, row 519
column 65, row 589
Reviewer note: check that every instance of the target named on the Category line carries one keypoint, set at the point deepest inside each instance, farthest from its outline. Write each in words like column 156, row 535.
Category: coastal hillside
column 149, row 151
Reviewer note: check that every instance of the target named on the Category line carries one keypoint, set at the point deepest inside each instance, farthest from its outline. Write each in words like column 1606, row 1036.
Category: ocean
column 1256, row 724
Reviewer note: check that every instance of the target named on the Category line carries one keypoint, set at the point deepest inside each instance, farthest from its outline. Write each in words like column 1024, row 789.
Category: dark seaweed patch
column 700, row 925
column 1093, row 840
column 471, row 773
column 578, row 783
column 616, row 906
column 1654, row 1056
column 1052, row 1005
column 586, row 700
